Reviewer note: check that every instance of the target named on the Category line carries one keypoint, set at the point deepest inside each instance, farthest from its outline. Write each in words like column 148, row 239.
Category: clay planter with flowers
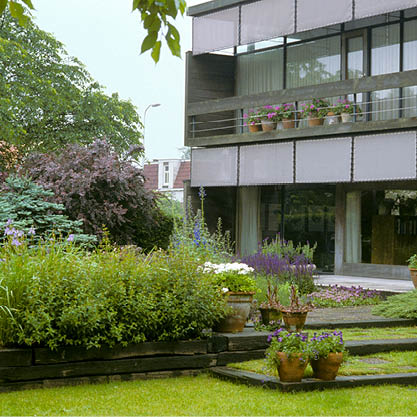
column 235, row 281
column 252, row 121
column 315, row 112
column 295, row 313
column 347, row 109
column 412, row 266
column 269, row 116
column 326, row 352
column 270, row 309
column 287, row 354
column 287, row 112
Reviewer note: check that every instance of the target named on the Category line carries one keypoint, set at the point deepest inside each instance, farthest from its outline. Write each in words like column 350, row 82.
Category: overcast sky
column 106, row 36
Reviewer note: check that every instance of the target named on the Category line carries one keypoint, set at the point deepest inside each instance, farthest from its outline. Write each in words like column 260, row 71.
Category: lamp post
column 144, row 125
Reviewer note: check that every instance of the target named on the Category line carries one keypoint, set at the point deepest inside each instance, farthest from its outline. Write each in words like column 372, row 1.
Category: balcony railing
column 380, row 102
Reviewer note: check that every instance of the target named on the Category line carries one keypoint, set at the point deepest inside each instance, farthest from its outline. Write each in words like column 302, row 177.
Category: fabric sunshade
column 256, row 25
column 367, row 8
column 390, row 156
column 266, row 164
column 327, row 160
column 321, row 13
column 214, row 167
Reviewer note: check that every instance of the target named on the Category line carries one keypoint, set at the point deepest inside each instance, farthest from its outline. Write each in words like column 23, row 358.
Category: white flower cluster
column 241, row 269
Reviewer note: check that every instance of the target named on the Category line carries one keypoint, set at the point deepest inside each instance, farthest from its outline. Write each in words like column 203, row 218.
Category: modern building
column 167, row 176
column 350, row 187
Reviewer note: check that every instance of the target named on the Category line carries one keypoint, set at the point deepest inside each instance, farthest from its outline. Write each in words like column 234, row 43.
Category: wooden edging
column 310, row 384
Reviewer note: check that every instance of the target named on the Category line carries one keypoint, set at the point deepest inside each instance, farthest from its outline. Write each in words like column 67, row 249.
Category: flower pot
column 332, row 119
column 270, row 314
column 413, row 275
column 327, row 368
column 315, row 121
column 291, row 369
column 240, row 302
column 268, row 125
column 254, row 128
column 347, row 117
column 288, row 123
column 294, row 322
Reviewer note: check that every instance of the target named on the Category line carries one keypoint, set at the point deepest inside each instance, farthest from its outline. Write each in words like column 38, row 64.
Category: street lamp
column 144, row 124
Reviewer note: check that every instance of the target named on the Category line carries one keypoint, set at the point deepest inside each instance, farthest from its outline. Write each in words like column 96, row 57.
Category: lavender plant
column 321, row 345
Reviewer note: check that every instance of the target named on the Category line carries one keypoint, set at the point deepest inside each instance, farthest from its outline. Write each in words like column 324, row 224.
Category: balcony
column 220, row 122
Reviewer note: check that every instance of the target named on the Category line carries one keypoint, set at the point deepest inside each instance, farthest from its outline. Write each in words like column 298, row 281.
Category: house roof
column 150, row 171
column 184, row 173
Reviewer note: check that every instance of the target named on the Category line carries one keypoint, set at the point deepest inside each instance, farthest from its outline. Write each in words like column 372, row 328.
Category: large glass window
column 260, row 72
column 313, row 62
column 301, row 216
column 385, row 59
column 410, row 63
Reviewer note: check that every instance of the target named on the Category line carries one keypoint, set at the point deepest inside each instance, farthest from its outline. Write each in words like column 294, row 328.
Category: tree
column 155, row 17
column 96, row 186
column 48, row 99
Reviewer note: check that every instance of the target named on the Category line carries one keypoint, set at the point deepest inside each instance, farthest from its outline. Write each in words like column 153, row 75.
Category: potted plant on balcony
column 347, row 109
column 295, row 313
column 326, row 351
column 269, row 116
column 270, row 309
column 253, row 122
column 315, row 112
column 412, row 266
column 288, row 354
column 287, row 112
column 235, row 281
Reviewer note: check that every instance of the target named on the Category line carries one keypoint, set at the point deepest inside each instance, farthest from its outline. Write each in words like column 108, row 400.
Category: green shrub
column 55, row 294
column 401, row 305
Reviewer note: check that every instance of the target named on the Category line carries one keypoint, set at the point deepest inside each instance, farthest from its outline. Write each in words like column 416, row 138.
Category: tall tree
column 156, row 17
column 48, row 99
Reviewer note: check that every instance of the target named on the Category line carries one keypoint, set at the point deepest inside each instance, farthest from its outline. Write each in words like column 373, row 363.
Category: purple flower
column 70, row 238
column 16, row 242
column 31, row 231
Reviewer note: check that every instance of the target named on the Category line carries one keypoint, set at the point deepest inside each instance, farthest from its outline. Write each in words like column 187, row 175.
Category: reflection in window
column 410, row 63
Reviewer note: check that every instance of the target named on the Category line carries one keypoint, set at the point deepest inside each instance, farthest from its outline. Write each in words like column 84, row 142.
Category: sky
column 106, row 36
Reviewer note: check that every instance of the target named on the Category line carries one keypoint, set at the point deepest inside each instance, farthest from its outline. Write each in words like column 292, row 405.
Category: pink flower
column 245, row 115
column 347, row 106
column 245, row 124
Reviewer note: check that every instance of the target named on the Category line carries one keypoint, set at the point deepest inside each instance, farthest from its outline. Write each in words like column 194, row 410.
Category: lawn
column 375, row 333
column 204, row 395
column 379, row 363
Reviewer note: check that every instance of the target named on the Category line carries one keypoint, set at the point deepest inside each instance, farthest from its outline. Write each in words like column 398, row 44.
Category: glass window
column 385, row 59
column 260, row 72
column 166, row 173
column 410, row 63
column 313, row 62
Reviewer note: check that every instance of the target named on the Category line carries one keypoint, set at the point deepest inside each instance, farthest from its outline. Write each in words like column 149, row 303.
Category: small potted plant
column 315, row 112
column 412, row 266
column 287, row 112
column 269, row 116
column 347, row 109
column 326, row 351
column 253, row 122
column 270, row 309
column 333, row 116
column 288, row 354
column 235, row 281
column 295, row 313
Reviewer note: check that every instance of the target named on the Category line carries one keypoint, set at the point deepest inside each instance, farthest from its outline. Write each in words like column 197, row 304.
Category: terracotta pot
column 315, row 121
column 234, row 322
column 413, row 274
column 270, row 314
column 254, row 128
column 288, row 123
column 327, row 368
column 267, row 125
column 347, row 117
column 294, row 322
column 291, row 369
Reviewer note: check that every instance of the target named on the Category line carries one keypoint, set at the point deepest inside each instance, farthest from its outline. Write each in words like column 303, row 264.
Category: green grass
column 376, row 333
column 204, row 395
column 384, row 363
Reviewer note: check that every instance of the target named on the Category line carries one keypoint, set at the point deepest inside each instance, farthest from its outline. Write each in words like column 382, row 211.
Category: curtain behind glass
column 410, row 63
column 313, row 62
column 353, row 243
column 249, row 220
column 260, row 72
column 385, row 59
